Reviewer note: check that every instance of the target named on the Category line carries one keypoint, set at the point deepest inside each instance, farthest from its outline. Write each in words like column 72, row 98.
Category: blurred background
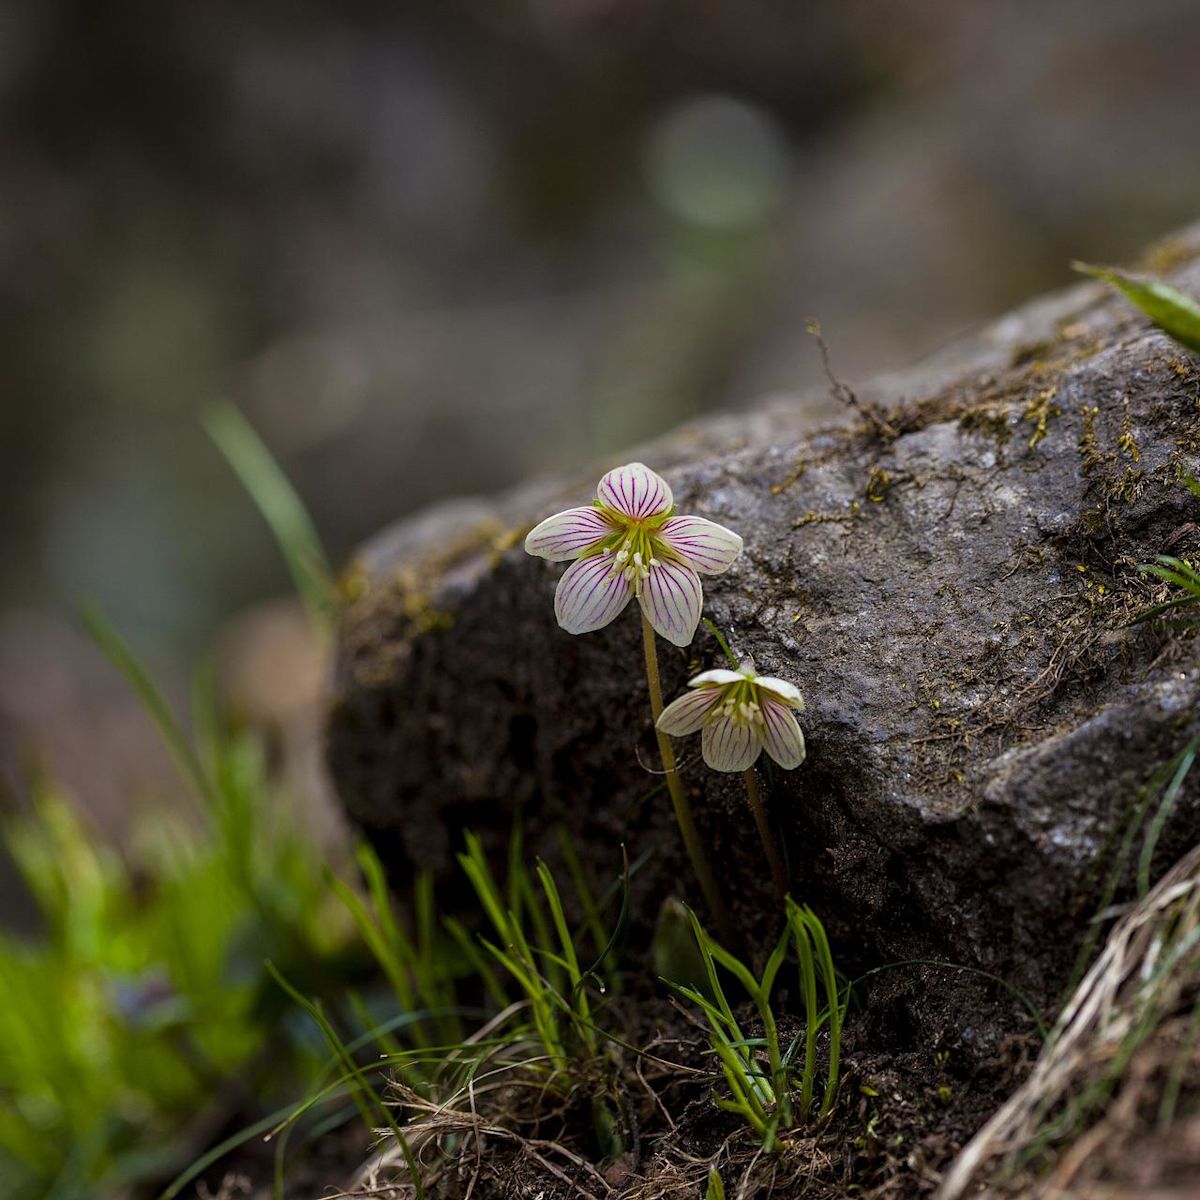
column 431, row 248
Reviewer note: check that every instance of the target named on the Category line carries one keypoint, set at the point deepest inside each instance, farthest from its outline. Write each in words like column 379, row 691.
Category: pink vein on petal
column 568, row 534
column 635, row 491
column 728, row 745
column 590, row 594
column 703, row 544
column 783, row 740
column 671, row 599
column 686, row 715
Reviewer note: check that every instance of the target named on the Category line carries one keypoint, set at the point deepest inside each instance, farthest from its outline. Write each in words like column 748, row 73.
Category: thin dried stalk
column 1148, row 963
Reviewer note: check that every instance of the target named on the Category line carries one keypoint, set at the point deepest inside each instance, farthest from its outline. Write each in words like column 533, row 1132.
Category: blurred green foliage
column 143, row 1014
column 166, row 996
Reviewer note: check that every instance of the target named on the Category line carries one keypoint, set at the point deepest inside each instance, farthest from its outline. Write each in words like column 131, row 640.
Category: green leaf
column 1175, row 313
column 715, row 1189
column 676, row 954
column 1174, row 570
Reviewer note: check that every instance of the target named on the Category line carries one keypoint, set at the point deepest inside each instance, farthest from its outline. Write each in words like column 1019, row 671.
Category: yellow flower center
column 635, row 548
column 740, row 704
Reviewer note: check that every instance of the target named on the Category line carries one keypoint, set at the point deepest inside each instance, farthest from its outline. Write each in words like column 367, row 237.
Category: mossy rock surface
column 950, row 584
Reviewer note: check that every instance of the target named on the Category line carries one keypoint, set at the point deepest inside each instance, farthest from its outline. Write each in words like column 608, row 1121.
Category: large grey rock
column 950, row 588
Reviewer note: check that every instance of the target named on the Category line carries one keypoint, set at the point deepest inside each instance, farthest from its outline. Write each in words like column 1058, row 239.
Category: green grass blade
column 476, row 961
column 774, row 962
column 1173, row 570
column 434, row 974
column 375, row 940
column 824, row 961
column 808, row 988
column 1157, row 611
column 587, row 900
column 542, row 999
column 723, row 1026
column 365, row 1097
column 1159, row 820
column 381, row 900
column 710, row 969
column 119, row 653
column 578, row 1005
column 281, row 508
column 231, row 1143
column 386, row 1042
column 559, row 919
column 768, row 1090
column 622, row 918
column 474, row 863
column 539, row 926
column 362, row 1089
column 744, row 1100
column 1175, row 313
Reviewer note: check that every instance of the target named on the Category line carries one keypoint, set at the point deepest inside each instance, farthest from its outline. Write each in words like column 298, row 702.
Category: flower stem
column 679, row 800
column 770, row 845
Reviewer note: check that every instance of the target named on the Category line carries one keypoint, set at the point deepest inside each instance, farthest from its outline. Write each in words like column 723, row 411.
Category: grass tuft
column 762, row 1092
column 535, row 947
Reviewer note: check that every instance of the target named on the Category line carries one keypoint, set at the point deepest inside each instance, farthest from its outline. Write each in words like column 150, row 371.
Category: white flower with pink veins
column 738, row 715
column 629, row 543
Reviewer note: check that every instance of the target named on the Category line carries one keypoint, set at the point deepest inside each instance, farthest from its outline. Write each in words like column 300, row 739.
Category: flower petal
column 717, row 677
column 789, row 693
column 636, row 492
column 782, row 738
column 590, row 594
column 568, row 534
column 686, row 715
column 671, row 597
column 702, row 544
column 729, row 745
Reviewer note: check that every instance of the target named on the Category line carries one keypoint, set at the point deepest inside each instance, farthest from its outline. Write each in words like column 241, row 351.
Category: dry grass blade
column 1142, row 978
column 746, row 1169
column 439, row 1122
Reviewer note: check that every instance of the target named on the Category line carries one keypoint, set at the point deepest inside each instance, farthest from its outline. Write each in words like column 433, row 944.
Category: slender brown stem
column 770, row 845
column 679, row 800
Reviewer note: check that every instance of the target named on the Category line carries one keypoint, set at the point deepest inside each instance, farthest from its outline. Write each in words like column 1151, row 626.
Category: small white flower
column 629, row 543
column 739, row 713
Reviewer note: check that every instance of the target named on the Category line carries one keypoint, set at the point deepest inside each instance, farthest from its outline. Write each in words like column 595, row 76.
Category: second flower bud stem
column 679, row 800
